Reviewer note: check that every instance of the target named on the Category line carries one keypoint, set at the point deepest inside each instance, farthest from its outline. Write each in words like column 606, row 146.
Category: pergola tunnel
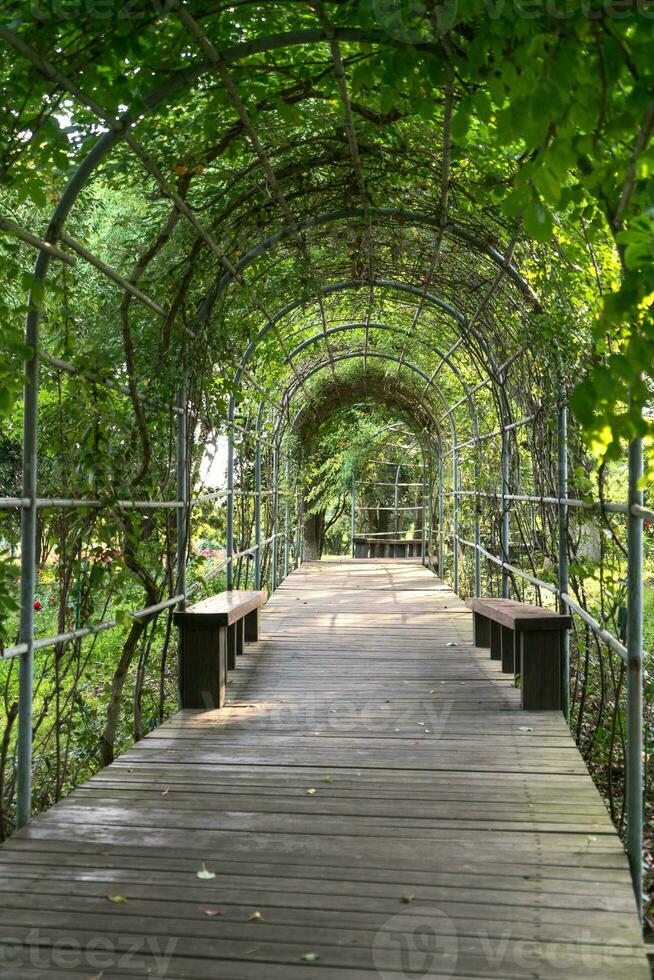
column 395, row 271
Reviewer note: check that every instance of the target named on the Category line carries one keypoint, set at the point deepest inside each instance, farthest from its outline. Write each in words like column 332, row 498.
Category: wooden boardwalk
column 371, row 803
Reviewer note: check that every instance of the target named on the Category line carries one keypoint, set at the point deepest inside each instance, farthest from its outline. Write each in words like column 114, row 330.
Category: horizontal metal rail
column 383, row 534
column 491, row 435
column 415, row 506
column 65, row 503
column 377, row 483
column 49, row 641
column 608, row 505
column 80, row 634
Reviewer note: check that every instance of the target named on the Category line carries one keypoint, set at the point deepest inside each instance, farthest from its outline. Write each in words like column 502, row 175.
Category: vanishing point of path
column 371, row 803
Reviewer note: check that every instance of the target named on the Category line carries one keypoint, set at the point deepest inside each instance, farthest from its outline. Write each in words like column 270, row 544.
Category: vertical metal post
column 396, row 501
column 182, row 514
column 634, row 790
column 430, row 501
column 298, row 526
column 230, row 510
column 455, row 521
column 353, row 516
column 505, row 510
column 477, row 505
column 257, row 513
column 441, row 515
column 275, row 503
column 562, row 445
column 29, row 517
column 423, row 540
column 287, row 516
column 182, row 492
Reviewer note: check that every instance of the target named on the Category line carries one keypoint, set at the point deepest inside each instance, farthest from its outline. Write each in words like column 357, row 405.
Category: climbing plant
column 341, row 216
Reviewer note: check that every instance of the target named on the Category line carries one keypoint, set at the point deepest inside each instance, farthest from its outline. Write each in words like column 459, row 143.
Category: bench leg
column 240, row 636
column 480, row 630
column 203, row 666
column 252, row 626
column 540, row 674
column 509, row 640
column 495, row 641
column 231, row 646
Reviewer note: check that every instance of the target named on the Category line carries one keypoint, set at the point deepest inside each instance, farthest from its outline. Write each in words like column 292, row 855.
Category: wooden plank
column 366, row 751
column 519, row 615
column 222, row 609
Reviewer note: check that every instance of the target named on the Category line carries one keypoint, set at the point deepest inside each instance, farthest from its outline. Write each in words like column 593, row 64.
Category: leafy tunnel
column 322, row 232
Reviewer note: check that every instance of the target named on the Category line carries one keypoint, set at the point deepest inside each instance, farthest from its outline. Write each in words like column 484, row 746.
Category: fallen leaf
column 255, row 917
column 311, row 792
column 326, row 779
column 204, row 874
column 117, row 899
column 310, row 957
column 525, row 728
column 212, row 912
column 452, row 644
column 166, row 791
column 407, row 898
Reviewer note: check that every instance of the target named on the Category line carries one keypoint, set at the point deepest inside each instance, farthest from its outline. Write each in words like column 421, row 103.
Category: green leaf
column 205, row 875
column 538, row 222
column 460, row 123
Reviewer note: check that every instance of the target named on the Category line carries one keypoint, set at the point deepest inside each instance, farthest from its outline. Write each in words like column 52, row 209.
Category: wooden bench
column 212, row 634
column 527, row 640
column 365, row 547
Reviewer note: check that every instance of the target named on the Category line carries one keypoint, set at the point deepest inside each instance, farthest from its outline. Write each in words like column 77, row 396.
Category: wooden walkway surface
column 371, row 803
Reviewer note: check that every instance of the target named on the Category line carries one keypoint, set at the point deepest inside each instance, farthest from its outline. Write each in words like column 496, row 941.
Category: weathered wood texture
column 372, row 790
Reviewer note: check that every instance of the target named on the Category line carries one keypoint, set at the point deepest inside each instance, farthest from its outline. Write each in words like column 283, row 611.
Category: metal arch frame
column 277, row 438
column 425, row 453
column 415, row 219
column 47, row 248
column 445, row 357
column 462, row 321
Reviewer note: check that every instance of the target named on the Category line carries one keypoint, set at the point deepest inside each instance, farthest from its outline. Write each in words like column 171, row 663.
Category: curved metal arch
column 445, row 358
column 338, row 287
column 429, row 381
column 414, row 219
column 293, row 387
column 343, row 286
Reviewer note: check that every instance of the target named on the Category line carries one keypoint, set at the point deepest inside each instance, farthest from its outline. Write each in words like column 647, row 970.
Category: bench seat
column 527, row 640
column 211, row 635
